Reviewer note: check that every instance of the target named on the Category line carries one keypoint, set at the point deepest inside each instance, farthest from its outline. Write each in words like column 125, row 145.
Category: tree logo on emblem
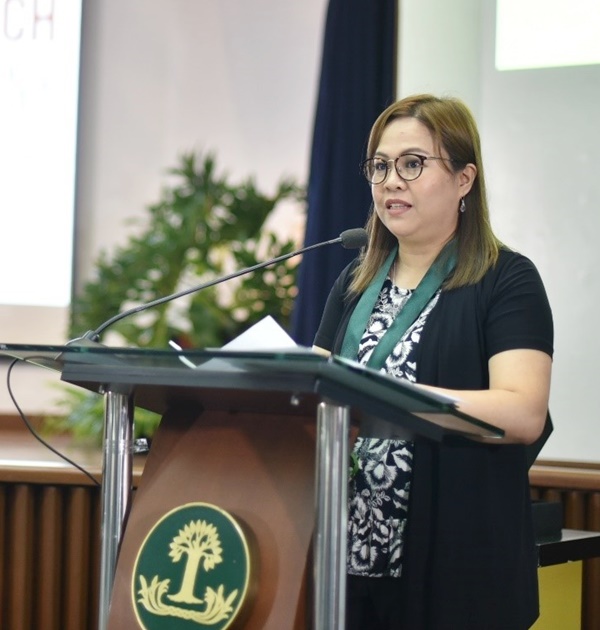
column 192, row 570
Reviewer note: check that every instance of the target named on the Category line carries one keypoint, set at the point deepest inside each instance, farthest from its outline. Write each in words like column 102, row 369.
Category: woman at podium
column 440, row 535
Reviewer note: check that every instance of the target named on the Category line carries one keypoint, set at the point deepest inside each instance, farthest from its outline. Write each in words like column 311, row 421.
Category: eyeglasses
column 408, row 166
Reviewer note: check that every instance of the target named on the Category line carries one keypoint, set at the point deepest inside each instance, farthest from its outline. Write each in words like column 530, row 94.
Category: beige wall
column 163, row 77
column 540, row 132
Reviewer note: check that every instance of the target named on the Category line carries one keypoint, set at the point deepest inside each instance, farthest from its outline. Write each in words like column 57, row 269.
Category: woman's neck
column 413, row 263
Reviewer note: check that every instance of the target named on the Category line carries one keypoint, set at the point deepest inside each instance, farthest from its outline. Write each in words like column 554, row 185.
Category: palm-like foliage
column 203, row 226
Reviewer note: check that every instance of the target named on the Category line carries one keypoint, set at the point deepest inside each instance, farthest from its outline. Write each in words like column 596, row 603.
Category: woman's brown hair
column 453, row 128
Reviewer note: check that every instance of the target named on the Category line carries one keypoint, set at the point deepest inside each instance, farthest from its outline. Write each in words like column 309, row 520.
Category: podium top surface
column 157, row 376
column 88, row 352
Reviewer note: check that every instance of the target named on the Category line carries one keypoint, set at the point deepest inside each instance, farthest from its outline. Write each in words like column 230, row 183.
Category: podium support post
column 331, row 493
column 117, row 469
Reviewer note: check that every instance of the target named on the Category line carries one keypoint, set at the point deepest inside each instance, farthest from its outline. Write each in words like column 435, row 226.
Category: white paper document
column 266, row 334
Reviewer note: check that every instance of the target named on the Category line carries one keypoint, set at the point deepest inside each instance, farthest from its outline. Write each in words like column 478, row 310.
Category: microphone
column 350, row 239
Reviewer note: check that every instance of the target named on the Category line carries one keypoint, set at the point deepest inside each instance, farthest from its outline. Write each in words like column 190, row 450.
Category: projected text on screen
column 39, row 76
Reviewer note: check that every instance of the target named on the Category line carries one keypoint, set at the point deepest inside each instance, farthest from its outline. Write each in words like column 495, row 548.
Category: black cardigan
column 469, row 556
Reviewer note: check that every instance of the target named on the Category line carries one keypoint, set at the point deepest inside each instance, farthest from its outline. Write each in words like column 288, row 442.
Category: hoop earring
column 462, row 206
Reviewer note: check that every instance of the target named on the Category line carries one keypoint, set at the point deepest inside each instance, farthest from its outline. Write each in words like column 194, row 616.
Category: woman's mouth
column 397, row 206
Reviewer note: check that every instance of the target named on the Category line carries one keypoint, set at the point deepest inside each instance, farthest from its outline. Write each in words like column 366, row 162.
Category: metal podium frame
column 346, row 392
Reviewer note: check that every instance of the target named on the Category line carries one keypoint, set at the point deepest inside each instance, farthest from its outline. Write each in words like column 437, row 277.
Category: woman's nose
column 393, row 180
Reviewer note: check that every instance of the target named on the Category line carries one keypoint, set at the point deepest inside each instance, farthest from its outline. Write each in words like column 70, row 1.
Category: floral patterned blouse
column 381, row 474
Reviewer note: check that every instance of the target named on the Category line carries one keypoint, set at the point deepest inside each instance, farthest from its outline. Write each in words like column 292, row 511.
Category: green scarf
column 436, row 274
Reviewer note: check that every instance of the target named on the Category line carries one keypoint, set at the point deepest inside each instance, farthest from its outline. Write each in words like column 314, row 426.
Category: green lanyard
column 427, row 288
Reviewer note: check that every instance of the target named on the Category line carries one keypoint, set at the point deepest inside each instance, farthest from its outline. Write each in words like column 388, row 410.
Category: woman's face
column 423, row 211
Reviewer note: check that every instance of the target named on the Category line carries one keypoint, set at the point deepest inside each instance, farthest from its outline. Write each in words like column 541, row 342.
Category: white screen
column 39, row 77
column 547, row 33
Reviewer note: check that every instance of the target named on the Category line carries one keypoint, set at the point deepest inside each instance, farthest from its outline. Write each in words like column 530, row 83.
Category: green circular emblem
column 192, row 571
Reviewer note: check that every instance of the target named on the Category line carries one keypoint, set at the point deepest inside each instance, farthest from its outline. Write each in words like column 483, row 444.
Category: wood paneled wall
column 49, row 533
column 49, row 550
column 577, row 487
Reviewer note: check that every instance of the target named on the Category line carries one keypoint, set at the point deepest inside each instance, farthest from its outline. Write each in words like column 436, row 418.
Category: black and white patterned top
column 382, row 469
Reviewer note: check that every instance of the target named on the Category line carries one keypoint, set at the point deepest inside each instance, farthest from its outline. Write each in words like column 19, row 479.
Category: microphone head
column 354, row 238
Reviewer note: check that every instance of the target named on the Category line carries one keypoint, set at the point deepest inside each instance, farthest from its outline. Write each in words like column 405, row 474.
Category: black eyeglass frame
column 421, row 158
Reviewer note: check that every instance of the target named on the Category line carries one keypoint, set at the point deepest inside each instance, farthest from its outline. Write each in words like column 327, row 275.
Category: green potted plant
column 203, row 226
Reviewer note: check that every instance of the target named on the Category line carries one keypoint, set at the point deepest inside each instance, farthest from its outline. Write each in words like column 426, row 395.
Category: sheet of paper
column 266, row 334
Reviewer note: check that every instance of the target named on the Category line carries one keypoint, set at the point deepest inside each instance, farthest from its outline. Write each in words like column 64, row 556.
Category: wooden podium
column 262, row 437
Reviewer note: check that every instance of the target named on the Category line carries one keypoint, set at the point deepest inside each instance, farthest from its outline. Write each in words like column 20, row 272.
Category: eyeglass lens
column 408, row 167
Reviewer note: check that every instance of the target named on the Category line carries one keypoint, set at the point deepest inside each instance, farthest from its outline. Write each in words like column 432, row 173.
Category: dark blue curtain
column 356, row 84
